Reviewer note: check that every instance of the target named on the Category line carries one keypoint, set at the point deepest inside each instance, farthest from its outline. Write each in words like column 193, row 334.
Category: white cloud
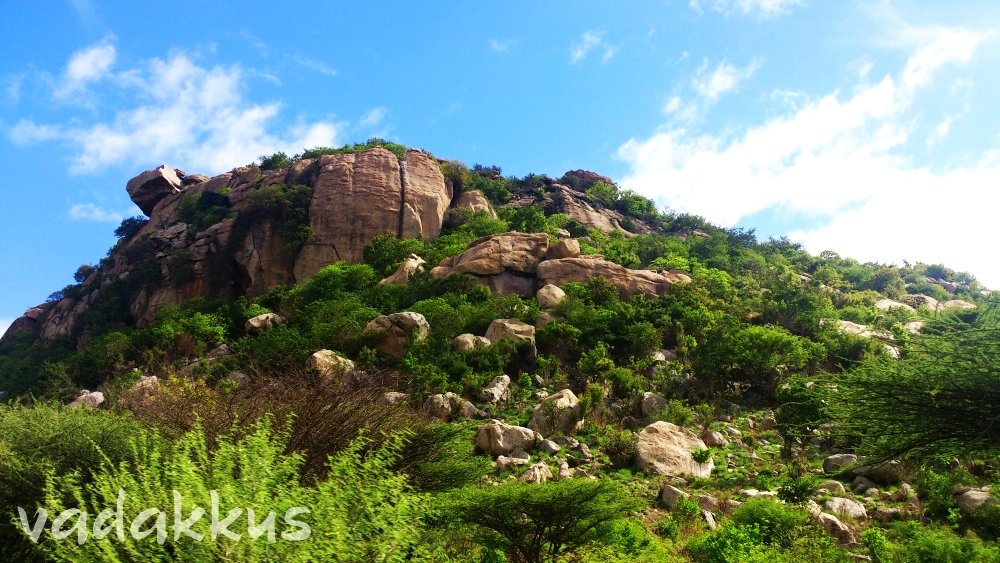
column 839, row 161
column 91, row 212
column 318, row 66
column 759, row 8
column 502, row 45
column 180, row 112
column 590, row 40
column 85, row 66
column 374, row 117
column 725, row 77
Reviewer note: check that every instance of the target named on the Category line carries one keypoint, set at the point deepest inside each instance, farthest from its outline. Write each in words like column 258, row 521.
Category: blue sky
column 868, row 128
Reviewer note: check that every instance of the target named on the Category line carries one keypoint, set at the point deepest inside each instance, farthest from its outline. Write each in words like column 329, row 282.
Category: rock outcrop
column 474, row 201
column 499, row 438
column 505, row 263
column 559, row 412
column 405, row 271
column 629, row 282
column 150, row 187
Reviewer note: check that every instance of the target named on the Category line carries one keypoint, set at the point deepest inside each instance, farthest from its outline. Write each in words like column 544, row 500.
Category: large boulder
column 886, row 304
column 956, row 304
column 499, row 438
column 665, row 449
column 26, row 321
column 550, row 296
column 265, row 321
column 629, row 282
column 391, row 332
column 449, row 405
column 836, row 462
column 970, row 500
column 405, row 271
column 651, row 404
column 148, row 188
column 559, row 412
column 426, row 196
column 512, row 329
column 511, row 252
column 920, row 300
column 846, row 507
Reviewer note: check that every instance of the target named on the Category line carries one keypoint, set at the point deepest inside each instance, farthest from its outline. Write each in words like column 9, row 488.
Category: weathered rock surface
column 968, row 501
column 449, row 405
column 91, row 399
column 665, row 449
column 836, row 462
column 559, row 412
column 260, row 323
column 651, row 404
column 27, row 321
column 499, row 438
column 405, row 271
column 537, row 473
column 392, row 331
column 671, row 495
column 468, row 342
column 886, row 304
column 846, row 507
column 550, row 296
column 629, row 282
column 150, row 187
column 498, row 390
column 565, row 248
column 512, row 329
column 474, row 201
column 329, row 364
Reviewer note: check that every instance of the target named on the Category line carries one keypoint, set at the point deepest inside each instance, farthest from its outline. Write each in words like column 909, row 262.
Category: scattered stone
column 888, row 473
column 905, row 492
column 445, row 406
column 708, row 502
column 559, row 412
column 330, row 364
column 260, row 323
column 564, row 471
column 886, row 304
column 394, row 398
column 846, row 507
column 671, row 495
column 730, row 505
column 498, row 390
column 651, row 404
column 885, row 514
column 549, row 447
column 709, row 520
column 511, row 328
column 91, row 399
column 538, row 473
column 861, row 484
column 714, row 439
column 834, row 463
column 550, row 296
column 393, row 331
column 665, row 449
column 498, row 438
column 972, row 499
column 469, row 342
column 838, row 530
column 505, row 463
column 835, row 487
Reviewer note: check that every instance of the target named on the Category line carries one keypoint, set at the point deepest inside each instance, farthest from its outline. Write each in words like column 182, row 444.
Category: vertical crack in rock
column 402, row 197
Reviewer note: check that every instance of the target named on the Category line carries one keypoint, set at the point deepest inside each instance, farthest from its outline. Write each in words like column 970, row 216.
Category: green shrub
column 360, row 511
column 202, row 210
column 775, row 522
column 385, row 253
column 702, row 455
column 729, row 544
column 274, row 161
column 797, row 490
column 41, row 439
column 676, row 412
column 130, row 226
column 877, row 545
column 620, row 446
column 286, row 206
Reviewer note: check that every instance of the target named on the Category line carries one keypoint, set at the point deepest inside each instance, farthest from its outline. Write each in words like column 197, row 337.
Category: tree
column 130, row 226
column 941, row 399
column 533, row 523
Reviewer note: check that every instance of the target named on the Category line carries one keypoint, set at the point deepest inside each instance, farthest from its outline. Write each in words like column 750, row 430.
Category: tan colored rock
column 714, row 439
column 512, row 329
column 846, row 507
column 847, row 327
column 475, row 201
column 148, row 188
column 426, row 197
column 550, row 296
column 919, row 300
column 499, row 438
column 544, row 318
column 537, row 473
column 260, row 323
column 629, row 282
column 449, row 405
column 651, row 404
column 494, row 254
column 968, row 501
column 665, row 449
column 565, row 248
column 27, row 321
column 914, row 327
column 88, row 399
column 329, row 364
column 394, row 398
column 559, row 412
column 671, row 495
column 392, row 331
column 498, row 390
column 405, row 271
column 838, row 530
column 505, row 463
column 469, row 342
column 956, row 304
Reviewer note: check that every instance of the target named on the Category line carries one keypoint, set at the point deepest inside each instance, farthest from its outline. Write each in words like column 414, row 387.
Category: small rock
column 549, row 447
column 972, row 499
column 885, row 514
column 505, row 463
column 538, row 473
column 498, row 390
column 394, row 398
column 651, row 404
column 714, row 439
column 708, row 502
column 709, row 520
column 469, row 342
column 835, row 487
column 905, row 492
column 550, row 296
column 260, row 323
column 671, row 495
column 565, row 248
column 92, row 399
column 564, row 470
column 498, row 438
column 846, row 507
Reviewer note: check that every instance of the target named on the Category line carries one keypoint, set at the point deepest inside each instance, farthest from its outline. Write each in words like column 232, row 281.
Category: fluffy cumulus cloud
column 177, row 111
column 92, row 212
column 839, row 162
column 759, row 8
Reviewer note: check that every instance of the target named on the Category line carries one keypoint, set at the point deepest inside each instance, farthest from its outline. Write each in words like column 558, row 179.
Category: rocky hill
column 244, row 232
